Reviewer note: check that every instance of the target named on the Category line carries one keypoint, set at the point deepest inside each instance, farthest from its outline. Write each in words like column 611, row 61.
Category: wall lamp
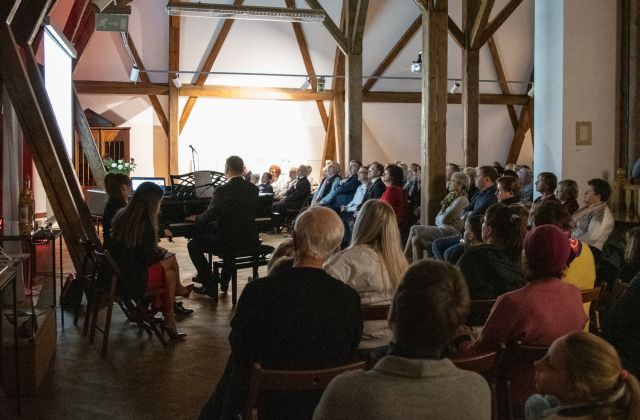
column 416, row 66
column 225, row 11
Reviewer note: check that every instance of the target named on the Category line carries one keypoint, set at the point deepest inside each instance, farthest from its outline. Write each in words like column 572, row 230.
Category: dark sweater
column 621, row 327
column 110, row 210
column 301, row 318
column 490, row 271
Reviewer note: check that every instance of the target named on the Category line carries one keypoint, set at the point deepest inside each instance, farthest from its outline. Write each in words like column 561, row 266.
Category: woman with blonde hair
column 581, row 376
column 373, row 265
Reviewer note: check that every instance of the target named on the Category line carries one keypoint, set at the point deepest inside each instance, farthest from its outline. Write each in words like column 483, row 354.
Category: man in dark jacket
column 299, row 319
column 294, row 198
column 343, row 193
column 233, row 209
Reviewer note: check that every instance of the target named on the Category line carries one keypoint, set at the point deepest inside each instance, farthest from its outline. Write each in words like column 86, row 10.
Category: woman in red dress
column 394, row 195
column 146, row 266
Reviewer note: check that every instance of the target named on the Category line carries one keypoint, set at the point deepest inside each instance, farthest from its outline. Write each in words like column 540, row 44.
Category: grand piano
column 190, row 194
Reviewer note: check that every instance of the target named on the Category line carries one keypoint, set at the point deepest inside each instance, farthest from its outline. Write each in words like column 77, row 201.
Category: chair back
column 375, row 312
column 292, row 380
column 479, row 310
column 590, row 295
column 479, row 363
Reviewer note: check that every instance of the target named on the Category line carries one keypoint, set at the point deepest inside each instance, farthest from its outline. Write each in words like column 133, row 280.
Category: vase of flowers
column 120, row 166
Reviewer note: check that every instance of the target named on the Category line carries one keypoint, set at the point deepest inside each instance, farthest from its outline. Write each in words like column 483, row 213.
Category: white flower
column 120, row 167
column 113, row 164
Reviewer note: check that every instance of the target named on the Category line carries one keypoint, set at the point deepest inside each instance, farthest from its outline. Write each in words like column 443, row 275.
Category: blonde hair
column 377, row 227
column 593, row 366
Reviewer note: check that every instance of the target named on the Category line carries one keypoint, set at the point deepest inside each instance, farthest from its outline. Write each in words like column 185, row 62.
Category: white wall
column 290, row 132
column 575, row 61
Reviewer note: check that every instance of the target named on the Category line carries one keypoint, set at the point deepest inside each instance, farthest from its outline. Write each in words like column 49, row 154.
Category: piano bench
column 233, row 263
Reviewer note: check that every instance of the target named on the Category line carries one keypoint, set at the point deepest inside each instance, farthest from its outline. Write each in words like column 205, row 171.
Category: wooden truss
column 20, row 20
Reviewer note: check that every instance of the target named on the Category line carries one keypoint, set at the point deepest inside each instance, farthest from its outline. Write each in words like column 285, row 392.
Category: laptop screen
column 137, row 180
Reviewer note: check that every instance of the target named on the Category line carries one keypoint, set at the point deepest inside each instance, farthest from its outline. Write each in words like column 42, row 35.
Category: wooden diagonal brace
column 337, row 34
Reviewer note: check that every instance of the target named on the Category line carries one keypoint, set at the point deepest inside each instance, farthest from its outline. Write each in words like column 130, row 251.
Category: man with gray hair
column 298, row 319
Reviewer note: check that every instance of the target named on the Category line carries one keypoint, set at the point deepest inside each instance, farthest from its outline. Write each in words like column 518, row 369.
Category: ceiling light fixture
column 455, row 87
column 416, row 66
column 225, row 11
column 176, row 80
column 135, row 72
column 306, row 84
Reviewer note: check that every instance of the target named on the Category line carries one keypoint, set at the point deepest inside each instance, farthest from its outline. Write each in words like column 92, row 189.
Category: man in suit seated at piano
column 233, row 209
column 295, row 197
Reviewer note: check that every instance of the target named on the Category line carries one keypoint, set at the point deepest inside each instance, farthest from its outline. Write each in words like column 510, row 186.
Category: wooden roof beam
column 155, row 102
column 27, row 19
column 338, row 35
column 500, row 18
column 173, row 131
column 456, row 33
column 480, row 23
column 84, row 32
column 502, row 79
column 308, row 64
column 208, row 65
column 395, row 51
column 73, row 20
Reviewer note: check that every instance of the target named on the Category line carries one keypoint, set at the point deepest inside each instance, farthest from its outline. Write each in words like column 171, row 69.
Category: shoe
column 201, row 290
column 188, row 289
column 174, row 335
column 224, row 286
column 179, row 309
column 196, row 279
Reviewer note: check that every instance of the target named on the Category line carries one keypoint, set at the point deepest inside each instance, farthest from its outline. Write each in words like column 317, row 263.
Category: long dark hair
column 137, row 223
column 507, row 228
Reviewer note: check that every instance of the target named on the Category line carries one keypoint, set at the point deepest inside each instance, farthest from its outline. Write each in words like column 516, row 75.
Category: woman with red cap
column 538, row 313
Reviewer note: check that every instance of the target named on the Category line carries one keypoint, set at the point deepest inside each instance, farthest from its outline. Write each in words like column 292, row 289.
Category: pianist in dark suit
column 233, row 209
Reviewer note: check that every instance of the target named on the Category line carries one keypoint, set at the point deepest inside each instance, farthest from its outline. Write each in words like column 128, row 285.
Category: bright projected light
column 58, row 56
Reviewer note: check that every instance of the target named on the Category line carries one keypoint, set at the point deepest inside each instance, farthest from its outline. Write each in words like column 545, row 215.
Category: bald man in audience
column 299, row 319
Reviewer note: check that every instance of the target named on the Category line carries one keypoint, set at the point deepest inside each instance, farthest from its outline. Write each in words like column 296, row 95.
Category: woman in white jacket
column 372, row 265
column 593, row 222
column 448, row 221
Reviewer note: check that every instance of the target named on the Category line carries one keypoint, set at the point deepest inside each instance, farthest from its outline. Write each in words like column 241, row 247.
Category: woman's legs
column 172, row 285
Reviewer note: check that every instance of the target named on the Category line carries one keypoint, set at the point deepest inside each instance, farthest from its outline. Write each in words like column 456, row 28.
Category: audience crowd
column 357, row 241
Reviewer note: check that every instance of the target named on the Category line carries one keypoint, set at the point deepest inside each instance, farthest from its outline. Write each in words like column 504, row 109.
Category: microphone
column 191, row 147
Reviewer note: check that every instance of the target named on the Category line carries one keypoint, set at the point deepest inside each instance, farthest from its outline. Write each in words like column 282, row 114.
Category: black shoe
column 224, row 284
column 201, row 290
column 179, row 309
column 196, row 279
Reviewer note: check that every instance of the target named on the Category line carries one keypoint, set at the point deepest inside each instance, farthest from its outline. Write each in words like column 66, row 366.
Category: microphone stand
column 193, row 158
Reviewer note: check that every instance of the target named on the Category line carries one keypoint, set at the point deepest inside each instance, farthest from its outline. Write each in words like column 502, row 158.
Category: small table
column 8, row 278
column 46, row 236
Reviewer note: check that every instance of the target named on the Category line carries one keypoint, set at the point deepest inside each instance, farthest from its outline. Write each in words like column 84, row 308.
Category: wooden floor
column 138, row 378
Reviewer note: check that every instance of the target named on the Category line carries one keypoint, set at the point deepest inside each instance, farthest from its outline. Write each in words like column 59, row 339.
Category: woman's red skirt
column 155, row 281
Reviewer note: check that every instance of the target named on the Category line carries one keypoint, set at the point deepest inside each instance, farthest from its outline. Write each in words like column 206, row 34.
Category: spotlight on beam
column 455, row 87
column 135, row 72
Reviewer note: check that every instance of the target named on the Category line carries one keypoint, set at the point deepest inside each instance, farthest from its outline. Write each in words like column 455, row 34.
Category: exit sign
column 107, row 22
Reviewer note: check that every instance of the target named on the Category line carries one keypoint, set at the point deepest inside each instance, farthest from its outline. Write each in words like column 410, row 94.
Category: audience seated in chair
column 344, row 190
column 495, row 267
column 264, row 187
column 412, row 189
column 621, row 326
column 347, row 212
column 328, row 184
column 118, row 188
column 448, row 220
column 546, row 183
column 394, row 194
column 508, row 190
column 372, row 265
column 581, row 377
column 526, row 183
column 539, row 312
column 449, row 248
column 233, row 210
column 278, row 182
column 296, row 195
column 301, row 318
column 581, row 270
column 567, row 193
column 593, row 222
column 631, row 265
column 414, row 381
column 376, row 186
column 144, row 265
column 288, row 184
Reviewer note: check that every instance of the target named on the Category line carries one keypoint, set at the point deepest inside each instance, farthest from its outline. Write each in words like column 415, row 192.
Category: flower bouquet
column 120, row 166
